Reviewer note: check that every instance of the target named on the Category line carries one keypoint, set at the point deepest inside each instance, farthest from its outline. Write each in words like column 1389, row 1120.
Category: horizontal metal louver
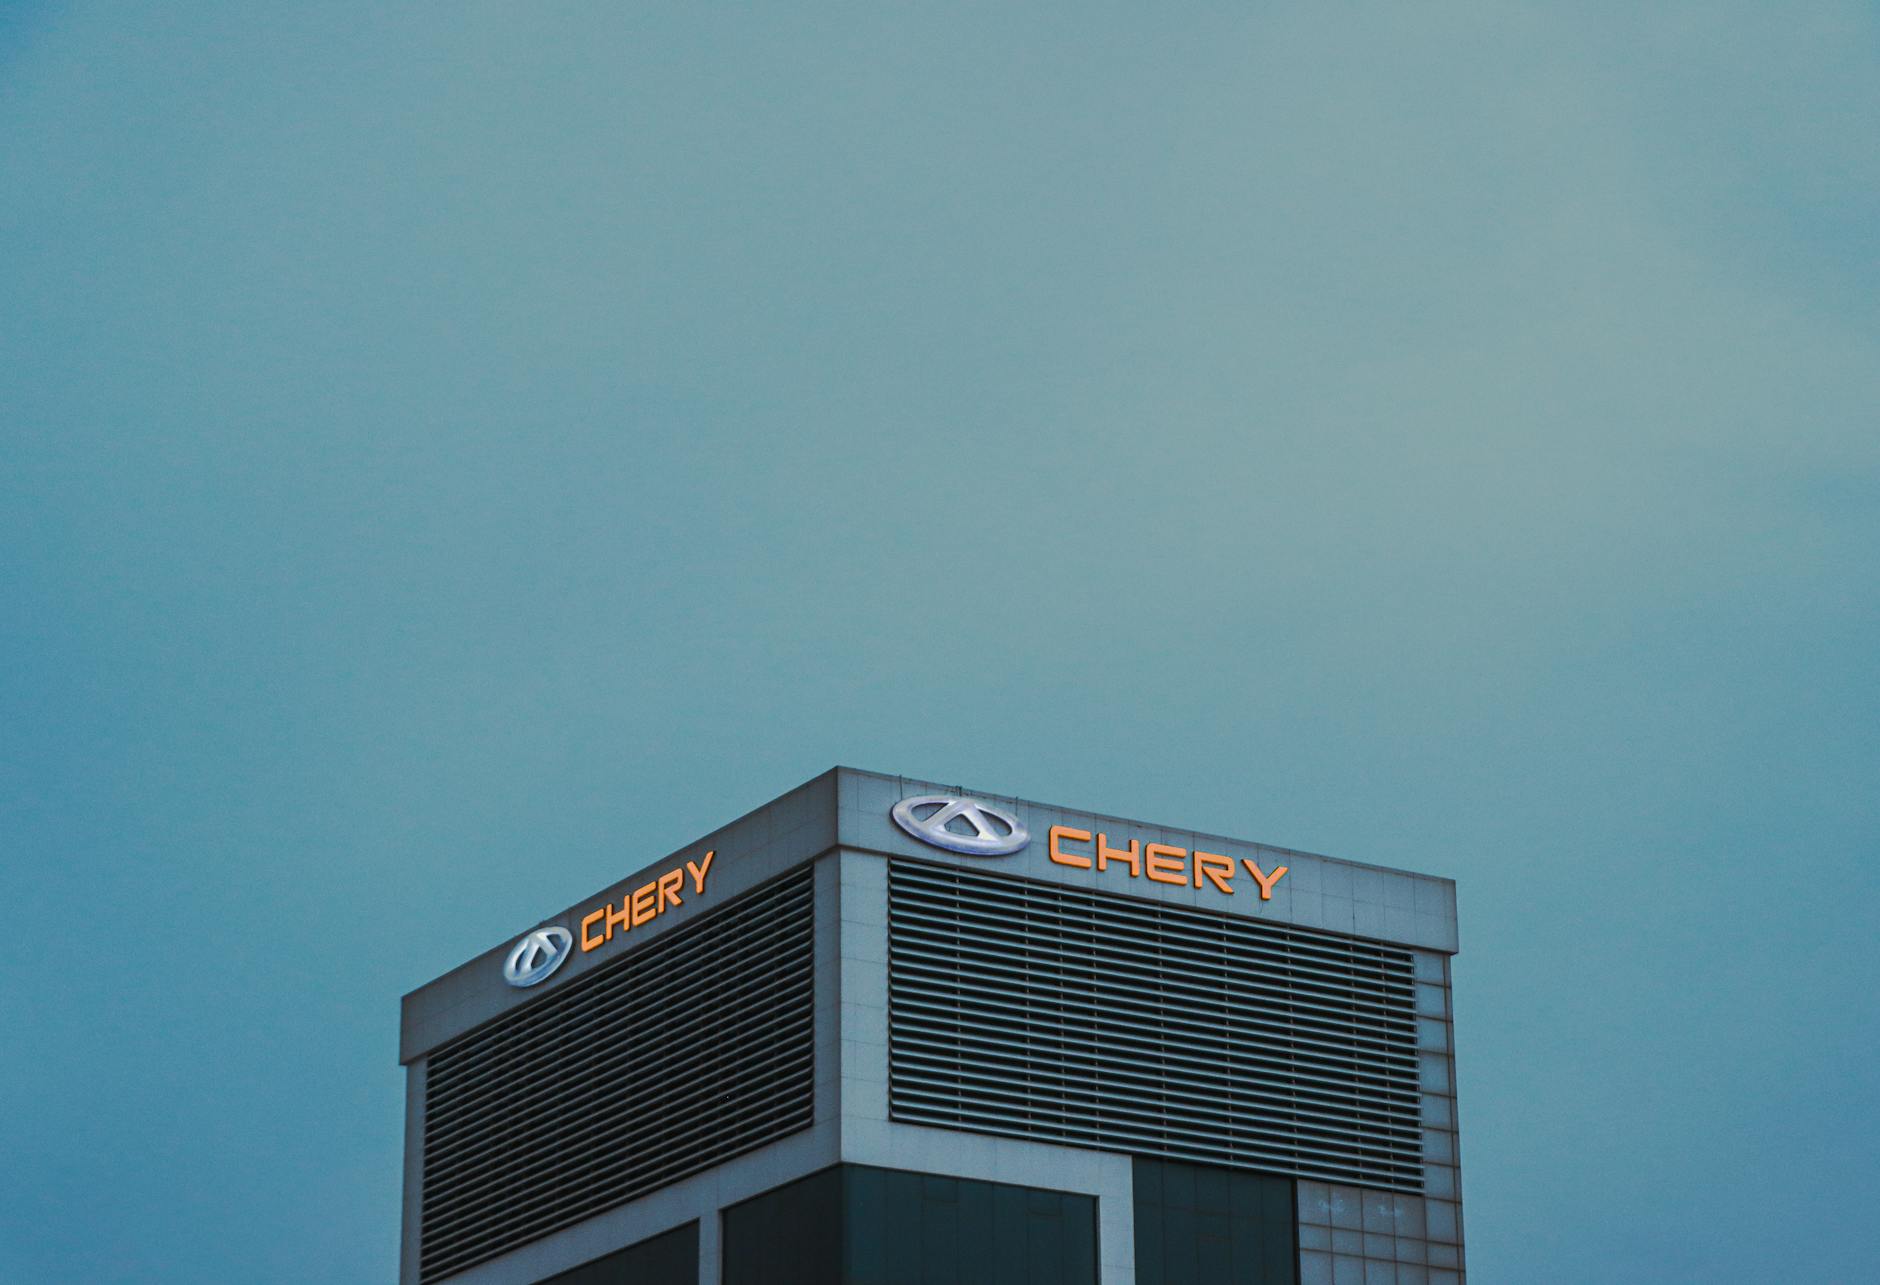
column 672, row 1059
column 1032, row 1010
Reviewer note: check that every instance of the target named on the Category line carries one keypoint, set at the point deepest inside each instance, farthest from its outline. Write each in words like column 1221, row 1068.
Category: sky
column 451, row 456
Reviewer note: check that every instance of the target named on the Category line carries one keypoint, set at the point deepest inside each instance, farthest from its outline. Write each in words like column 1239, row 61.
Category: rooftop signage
column 537, row 955
column 961, row 825
column 978, row 829
column 1160, row 862
column 644, row 904
column 541, row 952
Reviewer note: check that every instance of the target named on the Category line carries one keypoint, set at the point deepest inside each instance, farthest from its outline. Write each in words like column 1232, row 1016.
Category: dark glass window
column 667, row 1259
column 1199, row 1225
column 856, row 1225
column 787, row 1236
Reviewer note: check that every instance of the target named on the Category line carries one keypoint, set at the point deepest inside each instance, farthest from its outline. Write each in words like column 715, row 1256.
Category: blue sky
column 452, row 455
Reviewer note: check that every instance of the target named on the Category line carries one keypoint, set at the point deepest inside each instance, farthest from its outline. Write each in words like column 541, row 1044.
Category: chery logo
column 537, row 955
column 961, row 825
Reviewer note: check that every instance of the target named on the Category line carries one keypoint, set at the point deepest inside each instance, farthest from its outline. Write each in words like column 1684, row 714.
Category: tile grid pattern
column 1354, row 1236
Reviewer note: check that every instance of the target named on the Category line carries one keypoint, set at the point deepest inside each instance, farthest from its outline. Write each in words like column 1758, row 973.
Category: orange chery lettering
column 645, row 903
column 1160, row 862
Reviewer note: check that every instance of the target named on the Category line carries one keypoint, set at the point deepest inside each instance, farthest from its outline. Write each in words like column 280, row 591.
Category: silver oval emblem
column 961, row 825
column 537, row 955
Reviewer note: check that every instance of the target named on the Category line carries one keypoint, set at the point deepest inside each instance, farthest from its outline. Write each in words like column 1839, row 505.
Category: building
column 887, row 1032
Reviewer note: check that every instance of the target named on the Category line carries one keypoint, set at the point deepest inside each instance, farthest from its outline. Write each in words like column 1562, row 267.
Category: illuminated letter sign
column 546, row 949
column 644, row 904
column 1161, row 862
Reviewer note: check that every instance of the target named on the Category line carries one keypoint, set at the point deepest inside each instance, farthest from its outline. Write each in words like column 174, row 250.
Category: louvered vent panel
column 680, row 1055
column 1032, row 1010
